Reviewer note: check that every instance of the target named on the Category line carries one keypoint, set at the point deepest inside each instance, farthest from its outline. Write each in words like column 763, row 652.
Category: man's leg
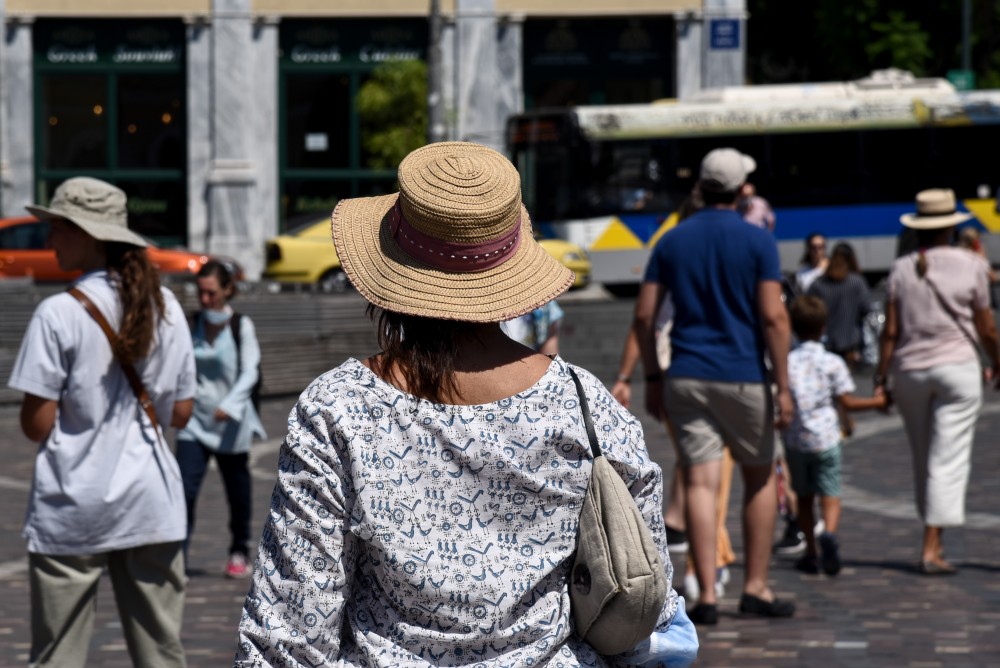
column 760, row 504
column 63, row 601
column 702, row 484
column 149, row 588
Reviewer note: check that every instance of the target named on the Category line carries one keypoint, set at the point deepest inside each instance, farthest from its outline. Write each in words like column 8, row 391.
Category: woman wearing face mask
column 224, row 420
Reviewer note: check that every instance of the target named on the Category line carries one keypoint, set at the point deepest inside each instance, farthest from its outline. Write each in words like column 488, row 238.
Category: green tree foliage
column 835, row 40
column 392, row 105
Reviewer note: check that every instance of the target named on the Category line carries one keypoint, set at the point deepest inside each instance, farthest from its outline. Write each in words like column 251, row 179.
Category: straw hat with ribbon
column 96, row 207
column 455, row 243
column 936, row 208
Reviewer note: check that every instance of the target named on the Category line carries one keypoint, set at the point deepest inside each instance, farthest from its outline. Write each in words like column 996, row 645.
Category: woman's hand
column 221, row 415
column 622, row 392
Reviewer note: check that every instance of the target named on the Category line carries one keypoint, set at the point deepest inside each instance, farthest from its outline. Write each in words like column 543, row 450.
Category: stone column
column 17, row 147
column 689, row 53
column 510, row 68
column 724, row 42
column 199, row 139
column 264, row 126
column 478, row 80
column 449, row 77
column 234, row 227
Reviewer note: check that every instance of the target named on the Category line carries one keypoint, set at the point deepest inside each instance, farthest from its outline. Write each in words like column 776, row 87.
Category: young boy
column 820, row 384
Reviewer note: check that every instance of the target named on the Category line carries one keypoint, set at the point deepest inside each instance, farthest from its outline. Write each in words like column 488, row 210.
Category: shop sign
column 724, row 34
column 96, row 42
column 354, row 42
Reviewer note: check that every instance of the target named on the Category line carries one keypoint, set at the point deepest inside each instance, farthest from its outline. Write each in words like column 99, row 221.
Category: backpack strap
column 236, row 325
column 133, row 378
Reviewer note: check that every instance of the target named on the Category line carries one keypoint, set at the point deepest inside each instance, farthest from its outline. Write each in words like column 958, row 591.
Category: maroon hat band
column 448, row 255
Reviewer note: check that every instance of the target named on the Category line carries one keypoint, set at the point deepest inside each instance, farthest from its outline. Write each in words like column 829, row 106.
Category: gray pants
column 148, row 582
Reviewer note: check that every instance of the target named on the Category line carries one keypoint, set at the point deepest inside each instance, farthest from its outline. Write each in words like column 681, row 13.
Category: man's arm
column 778, row 337
column 38, row 416
column 650, row 297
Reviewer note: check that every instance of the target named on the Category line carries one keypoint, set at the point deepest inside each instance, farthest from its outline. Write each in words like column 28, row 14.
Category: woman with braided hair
column 103, row 369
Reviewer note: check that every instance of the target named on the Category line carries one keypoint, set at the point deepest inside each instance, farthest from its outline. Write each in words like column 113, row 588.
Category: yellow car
column 306, row 255
column 572, row 256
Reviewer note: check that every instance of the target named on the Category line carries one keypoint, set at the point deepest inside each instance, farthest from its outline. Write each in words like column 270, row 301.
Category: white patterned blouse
column 408, row 533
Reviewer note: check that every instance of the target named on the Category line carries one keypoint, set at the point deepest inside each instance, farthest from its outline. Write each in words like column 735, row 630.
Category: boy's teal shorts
column 816, row 473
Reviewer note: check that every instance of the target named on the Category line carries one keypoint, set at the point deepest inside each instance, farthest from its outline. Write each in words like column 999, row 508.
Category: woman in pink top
column 937, row 298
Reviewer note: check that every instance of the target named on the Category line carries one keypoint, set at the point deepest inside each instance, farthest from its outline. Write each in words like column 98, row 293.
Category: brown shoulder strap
column 133, row 378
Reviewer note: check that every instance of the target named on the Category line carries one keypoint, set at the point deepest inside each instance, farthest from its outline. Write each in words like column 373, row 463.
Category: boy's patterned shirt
column 816, row 377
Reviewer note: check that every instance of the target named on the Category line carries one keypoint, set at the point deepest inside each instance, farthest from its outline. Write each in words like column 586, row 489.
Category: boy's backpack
column 235, row 323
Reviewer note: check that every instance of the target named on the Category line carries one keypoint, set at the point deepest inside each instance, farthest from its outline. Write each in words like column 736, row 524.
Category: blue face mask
column 220, row 317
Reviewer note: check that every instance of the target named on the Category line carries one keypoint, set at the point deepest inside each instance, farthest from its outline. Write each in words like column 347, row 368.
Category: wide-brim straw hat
column 936, row 208
column 454, row 243
column 96, row 207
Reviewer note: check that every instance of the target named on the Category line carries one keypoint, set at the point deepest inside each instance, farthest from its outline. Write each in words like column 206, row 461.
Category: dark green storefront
column 110, row 102
column 323, row 64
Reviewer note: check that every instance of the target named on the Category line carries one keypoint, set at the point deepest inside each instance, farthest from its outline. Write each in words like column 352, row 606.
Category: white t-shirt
column 103, row 481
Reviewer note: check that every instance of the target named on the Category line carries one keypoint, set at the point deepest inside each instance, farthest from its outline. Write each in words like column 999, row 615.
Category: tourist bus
column 842, row 159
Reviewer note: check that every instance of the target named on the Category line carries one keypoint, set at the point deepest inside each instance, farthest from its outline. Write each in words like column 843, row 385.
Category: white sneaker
column 691, row 589
column 819, row 528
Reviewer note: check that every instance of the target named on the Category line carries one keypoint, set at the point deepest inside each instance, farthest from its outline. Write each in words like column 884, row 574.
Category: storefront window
column 73, row 125
column 318, row 110
column 111, row 103
column 151, row 121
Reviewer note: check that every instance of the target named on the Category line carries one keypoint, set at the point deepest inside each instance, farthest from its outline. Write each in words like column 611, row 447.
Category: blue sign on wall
column 724, row 33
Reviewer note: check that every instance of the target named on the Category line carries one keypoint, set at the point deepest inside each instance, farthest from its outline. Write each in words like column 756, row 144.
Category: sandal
column 753, row 605
column 936, row 568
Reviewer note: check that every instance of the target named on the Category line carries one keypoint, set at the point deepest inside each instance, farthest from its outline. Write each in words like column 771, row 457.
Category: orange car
column 24, row 252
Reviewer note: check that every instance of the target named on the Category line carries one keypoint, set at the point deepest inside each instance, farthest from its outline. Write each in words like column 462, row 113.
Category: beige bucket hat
column 936, row 208
column 96, row 207
column 454, row 243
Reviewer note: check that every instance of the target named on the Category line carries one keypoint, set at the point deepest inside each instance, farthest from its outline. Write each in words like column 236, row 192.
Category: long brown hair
column 138, row 285
column 424, row 350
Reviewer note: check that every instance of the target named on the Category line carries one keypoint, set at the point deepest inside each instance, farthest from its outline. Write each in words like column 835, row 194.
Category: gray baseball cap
column 725, row 170
column 96, row 207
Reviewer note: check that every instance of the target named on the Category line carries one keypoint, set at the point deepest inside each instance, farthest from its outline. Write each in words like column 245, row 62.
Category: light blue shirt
column 224, row 382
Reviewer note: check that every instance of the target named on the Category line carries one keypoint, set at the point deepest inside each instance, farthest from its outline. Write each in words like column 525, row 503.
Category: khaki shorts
column 709, row 415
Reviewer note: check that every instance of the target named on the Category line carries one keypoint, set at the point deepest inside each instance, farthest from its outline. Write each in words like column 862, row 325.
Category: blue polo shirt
column 711, row 264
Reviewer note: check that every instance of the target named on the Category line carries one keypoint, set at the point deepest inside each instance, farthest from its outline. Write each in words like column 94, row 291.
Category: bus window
column 896, row 164
column 813, row 168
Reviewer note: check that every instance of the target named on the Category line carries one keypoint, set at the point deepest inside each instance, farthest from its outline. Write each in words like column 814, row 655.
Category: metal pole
column 435, row 111
column 966, row 30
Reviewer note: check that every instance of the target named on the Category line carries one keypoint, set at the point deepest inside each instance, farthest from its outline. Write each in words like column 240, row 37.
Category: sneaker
column 705, row 613
column 829, row 550
column 691, row 588
column 677, row 541
column 721, row 580
column 807, row 563
column 752, row 605
column 819, row 528
column 237, row 566
column 793, row 542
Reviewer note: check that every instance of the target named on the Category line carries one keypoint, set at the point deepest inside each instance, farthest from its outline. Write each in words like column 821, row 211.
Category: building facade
column 228, row 121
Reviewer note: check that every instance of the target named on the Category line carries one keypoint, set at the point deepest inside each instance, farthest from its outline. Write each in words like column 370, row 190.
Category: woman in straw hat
column 427, row 498
column 937, row 306
column 107, row 492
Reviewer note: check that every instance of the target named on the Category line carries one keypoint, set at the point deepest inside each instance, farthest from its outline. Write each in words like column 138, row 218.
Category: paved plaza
column 878, row 612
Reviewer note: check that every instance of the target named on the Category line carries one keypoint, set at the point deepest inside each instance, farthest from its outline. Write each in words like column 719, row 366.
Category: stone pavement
column 878, row 612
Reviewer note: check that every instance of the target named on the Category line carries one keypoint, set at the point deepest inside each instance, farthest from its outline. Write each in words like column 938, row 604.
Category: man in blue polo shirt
column 724, row 279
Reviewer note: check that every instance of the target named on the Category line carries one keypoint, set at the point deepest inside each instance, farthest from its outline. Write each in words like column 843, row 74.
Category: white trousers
column 939, row 407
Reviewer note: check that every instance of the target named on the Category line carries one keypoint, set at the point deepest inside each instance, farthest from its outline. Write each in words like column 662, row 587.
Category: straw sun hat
column 936, row 208
column 455, row 243
column 96, row 207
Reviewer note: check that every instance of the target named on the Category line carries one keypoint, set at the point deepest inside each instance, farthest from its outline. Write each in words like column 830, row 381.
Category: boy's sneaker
column 677, row 541
column 829, row 553
column 237, row 566
column 793, row 542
